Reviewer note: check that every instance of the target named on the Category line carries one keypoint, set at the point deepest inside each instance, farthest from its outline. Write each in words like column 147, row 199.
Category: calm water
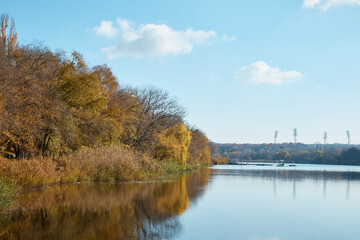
column 224, row 202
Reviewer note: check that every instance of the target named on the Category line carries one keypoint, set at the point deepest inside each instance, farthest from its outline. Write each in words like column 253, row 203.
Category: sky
column 242, row 69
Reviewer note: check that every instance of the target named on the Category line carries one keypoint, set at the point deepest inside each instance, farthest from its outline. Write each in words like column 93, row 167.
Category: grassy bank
column 104, row 164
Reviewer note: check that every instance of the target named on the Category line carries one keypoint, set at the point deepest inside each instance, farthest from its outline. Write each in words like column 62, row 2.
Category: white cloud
column 311, row 3
column 150, row 40
column 326, row 4
column 226, row 38
column 124, row 25
column 106, row 29
column 260, row 72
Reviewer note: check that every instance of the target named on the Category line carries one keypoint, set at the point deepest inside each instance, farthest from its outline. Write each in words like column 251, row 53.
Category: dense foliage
column 53, row 105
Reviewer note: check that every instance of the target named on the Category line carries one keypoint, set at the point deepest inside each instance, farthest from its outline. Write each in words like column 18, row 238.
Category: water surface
column 222, row 202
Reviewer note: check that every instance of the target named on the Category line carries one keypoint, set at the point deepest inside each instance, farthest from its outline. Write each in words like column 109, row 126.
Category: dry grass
column 110, row 163
column 29, row 171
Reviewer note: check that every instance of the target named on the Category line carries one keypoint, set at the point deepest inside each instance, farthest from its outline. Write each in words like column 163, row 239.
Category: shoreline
column 8, row 198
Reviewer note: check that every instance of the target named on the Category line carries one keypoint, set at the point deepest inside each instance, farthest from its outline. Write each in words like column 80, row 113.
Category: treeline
column 349, row 156
column 52, row 105
column 297, row 153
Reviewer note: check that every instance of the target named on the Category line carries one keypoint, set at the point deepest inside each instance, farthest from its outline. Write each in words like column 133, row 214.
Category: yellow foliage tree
column 199, row 149
column 173, row 144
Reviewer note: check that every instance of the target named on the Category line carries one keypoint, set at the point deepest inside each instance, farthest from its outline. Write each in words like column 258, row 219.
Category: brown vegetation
column 109, row 163
column 199, row 148
column 64, row 121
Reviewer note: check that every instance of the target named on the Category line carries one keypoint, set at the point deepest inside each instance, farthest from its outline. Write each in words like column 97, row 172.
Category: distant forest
column 298, row 153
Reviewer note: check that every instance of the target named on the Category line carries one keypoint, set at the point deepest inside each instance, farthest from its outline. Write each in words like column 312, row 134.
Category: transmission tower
column 348, row 137
column 325, row 137
column 295, row 134
column 275, row 136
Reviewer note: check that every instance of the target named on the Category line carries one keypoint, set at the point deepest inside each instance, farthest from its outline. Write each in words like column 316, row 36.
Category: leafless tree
column 157, row 111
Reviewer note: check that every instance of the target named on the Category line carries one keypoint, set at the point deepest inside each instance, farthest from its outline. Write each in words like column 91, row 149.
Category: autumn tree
column 52, row 104
column 173, row 144
column 199, row 149
column 49, row 104
column 156, row 112
column 8, row 45
column 8, row 36
column 22, row 97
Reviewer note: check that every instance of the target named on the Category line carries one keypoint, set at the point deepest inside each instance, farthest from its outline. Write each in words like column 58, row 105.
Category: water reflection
column 294, row 175
column 288, row 175
column 235, row 203
column 306, row 202
column 144, row 210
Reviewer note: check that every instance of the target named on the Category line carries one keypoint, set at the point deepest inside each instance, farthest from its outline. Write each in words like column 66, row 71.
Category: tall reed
column 108, row 163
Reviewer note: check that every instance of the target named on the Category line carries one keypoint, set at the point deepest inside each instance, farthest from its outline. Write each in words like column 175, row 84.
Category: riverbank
column 82, row 211
column 105, row 164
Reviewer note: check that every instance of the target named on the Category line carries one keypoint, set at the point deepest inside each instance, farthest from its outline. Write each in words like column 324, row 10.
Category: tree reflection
column 109, row 211
column 295, row 176
column 290, row 175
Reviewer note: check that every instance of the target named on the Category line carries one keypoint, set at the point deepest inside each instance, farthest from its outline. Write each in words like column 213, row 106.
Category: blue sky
column 242, row 69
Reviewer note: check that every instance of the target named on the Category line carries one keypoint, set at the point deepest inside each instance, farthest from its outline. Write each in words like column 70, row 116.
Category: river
column 222, row 202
